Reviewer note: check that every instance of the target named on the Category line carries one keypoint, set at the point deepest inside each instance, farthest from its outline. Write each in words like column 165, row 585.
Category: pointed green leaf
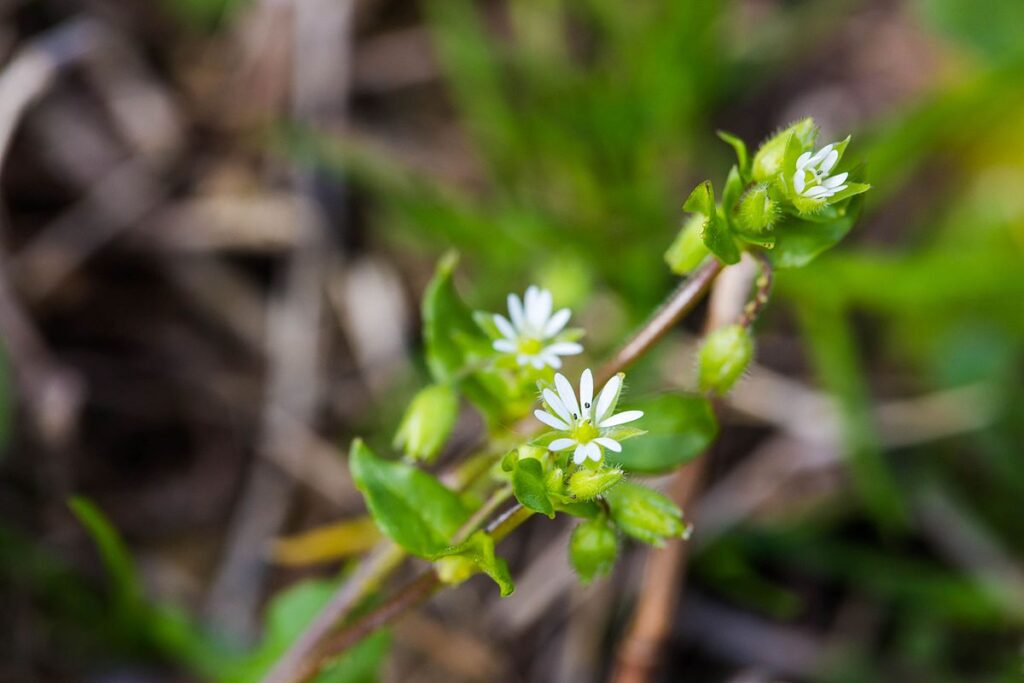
column 733, row 190
column 126, row 589
column 411, row 507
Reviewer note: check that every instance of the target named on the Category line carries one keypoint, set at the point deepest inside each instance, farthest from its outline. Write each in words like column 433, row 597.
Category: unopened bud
column 455, row 569
column 593, row 548
column 723, row 357
column 769, row 158
column 585, row 484
column 645, row 514
column 756, row 212
column 427, row 422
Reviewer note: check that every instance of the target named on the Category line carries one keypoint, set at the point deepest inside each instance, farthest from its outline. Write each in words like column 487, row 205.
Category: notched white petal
column 562, row 444
column 622, row 418
column 610, row 444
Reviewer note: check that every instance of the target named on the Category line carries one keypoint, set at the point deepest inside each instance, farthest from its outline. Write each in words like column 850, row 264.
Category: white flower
column 586, row 423
column 531, row 334
column 812, row 178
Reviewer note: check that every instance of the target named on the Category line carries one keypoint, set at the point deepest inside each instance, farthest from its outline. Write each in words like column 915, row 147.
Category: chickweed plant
column 559, row 444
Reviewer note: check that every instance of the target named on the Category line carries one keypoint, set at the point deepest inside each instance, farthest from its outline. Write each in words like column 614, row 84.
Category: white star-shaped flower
column 586, row 423
column 531, row 333
column 812, row 179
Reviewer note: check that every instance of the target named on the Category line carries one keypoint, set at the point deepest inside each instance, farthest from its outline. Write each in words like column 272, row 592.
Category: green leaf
column 593, row 549
column 799, row 241
column 529, row 487
column 126, row 589
column 718, row 238
column 476, row 554
column 679, row 428
column 444, row 317
column 411, row 507
column 741, row 151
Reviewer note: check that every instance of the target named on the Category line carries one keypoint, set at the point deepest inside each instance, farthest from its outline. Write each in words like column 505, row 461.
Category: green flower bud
column 585, row 484
column 688, row 249
column 723, row 357
column 427, row 422
column 645, row 514
column 455, row 569
column 593, row 548
column 756, row 212
column 554, row 481
column 771, row 155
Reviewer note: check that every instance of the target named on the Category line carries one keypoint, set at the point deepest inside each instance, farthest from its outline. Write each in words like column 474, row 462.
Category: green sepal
column 715, row 231
column 742, row 156
column 476, row 554
column 799, row 241
column 410, row 507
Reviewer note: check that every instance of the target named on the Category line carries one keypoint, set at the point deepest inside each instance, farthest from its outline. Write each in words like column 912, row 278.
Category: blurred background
column 217, row 218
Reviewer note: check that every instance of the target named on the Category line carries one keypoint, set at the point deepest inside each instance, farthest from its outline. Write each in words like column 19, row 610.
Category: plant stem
column 762, row 290
column 679, row 303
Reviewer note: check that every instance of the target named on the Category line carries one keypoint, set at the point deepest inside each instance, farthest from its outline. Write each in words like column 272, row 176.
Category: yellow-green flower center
column 584, row 432
column 530, row 347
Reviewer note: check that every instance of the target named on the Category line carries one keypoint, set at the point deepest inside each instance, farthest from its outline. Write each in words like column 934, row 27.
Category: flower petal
column 562, row 444
column 551, row 398
column 567, row 395
column 835, row 180
column 607, row 398
column 523, row 359
column 564, row 348
column 537, row 362
column 515, row 311
column 586, row 391
column 550, row 420
column 816, row 192
column 610, row 444
column 580, row 454
column 556, row 323
column 830, row 160
column 537, row 316
column 505, row 327
column 799, row 181
column 552, row 360
column 504, row 345
column 801, row 161
column 593, row 451
column 821, row 155
column 622, row 418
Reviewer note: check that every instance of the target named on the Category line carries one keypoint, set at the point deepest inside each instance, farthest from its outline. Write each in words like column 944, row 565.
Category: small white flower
column 586, row 423
column 812, row 178
column 531, row 333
